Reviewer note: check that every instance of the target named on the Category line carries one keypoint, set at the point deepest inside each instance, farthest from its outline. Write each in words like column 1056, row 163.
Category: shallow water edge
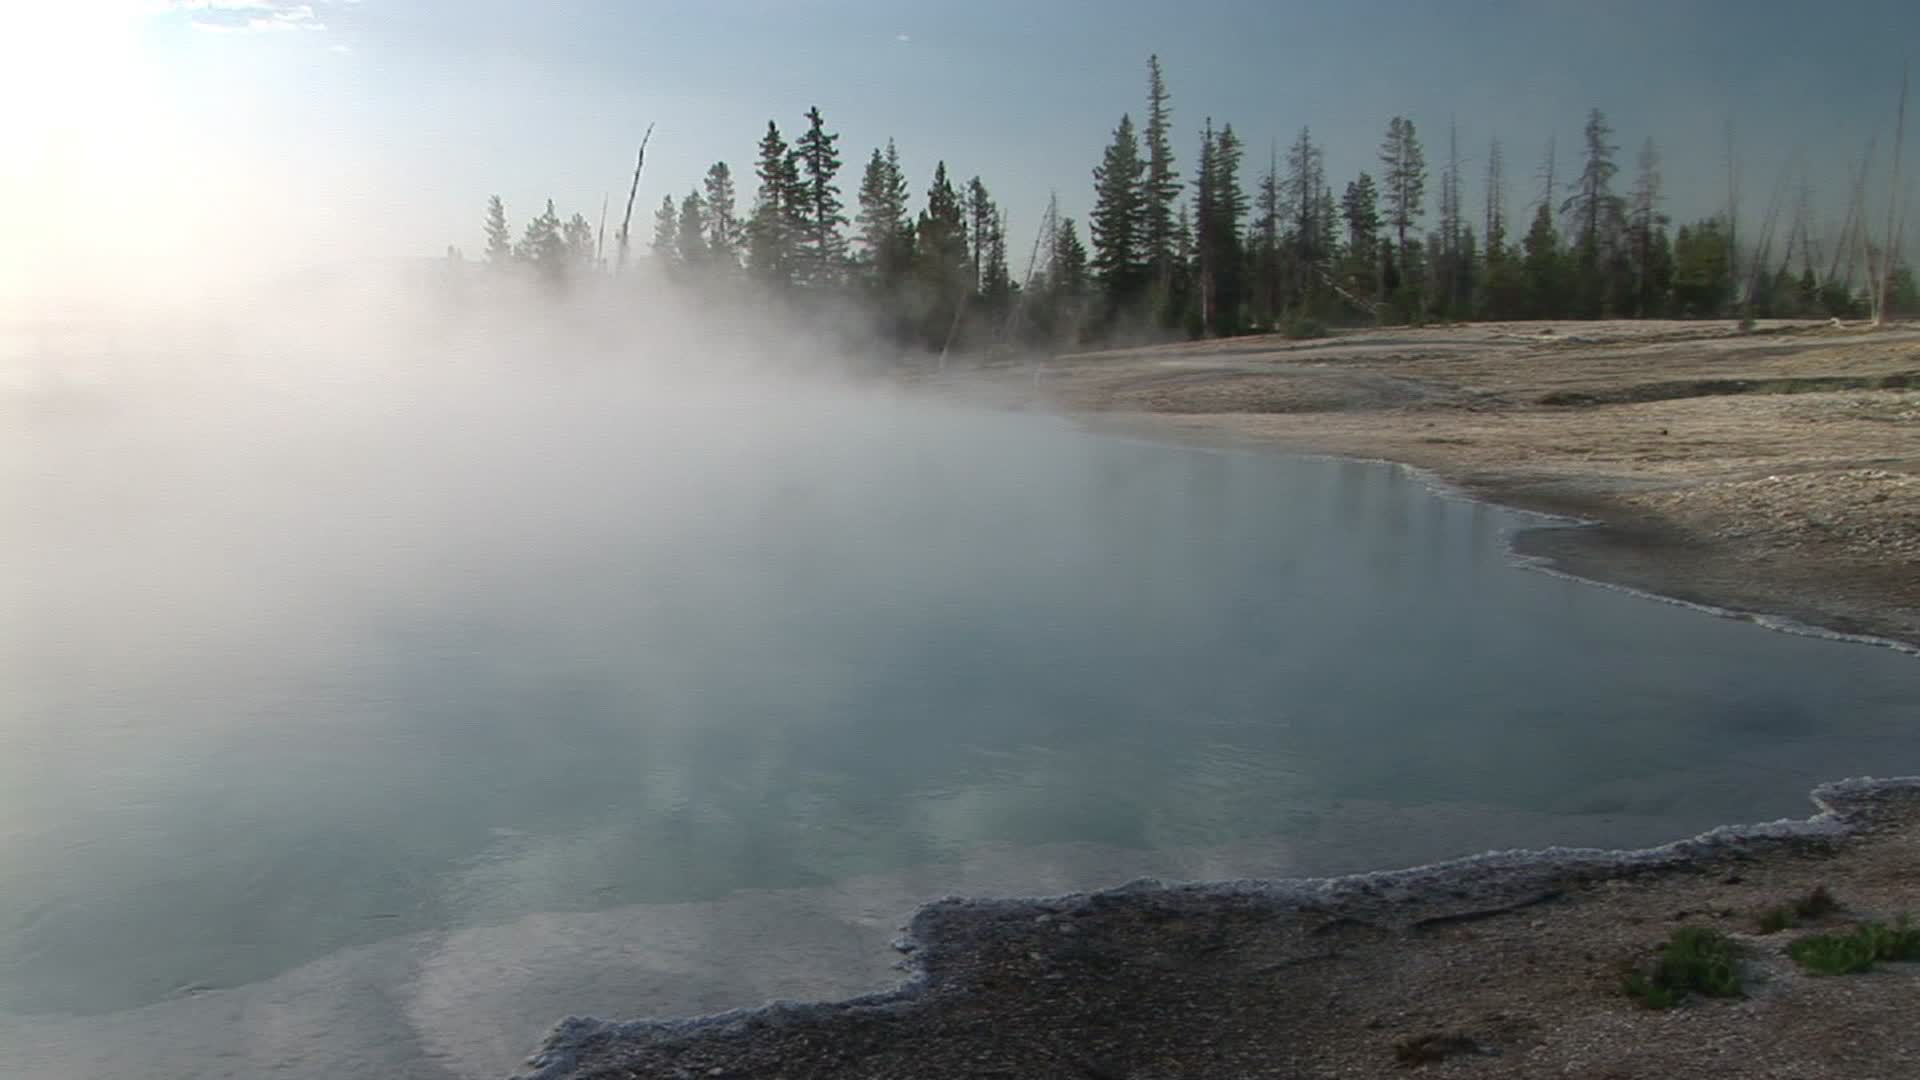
column 1453, row 890
column 1436, row 481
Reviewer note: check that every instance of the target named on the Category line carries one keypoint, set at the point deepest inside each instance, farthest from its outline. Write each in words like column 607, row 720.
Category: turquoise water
column 293, row 678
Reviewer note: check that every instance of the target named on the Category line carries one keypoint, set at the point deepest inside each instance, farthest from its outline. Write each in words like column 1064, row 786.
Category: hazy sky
column 272, row 133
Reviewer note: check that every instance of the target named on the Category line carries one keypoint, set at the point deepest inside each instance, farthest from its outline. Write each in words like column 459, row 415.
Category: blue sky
column 390, row 121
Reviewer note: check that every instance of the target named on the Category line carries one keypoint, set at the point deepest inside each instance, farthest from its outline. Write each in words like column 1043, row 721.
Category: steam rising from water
column 391, row 662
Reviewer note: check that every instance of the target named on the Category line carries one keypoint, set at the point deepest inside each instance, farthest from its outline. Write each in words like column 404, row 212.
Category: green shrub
column 1857, row 950
column 1695, row 960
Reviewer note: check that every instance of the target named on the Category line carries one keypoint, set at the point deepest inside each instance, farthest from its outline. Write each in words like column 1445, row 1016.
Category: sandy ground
column 1774, row 472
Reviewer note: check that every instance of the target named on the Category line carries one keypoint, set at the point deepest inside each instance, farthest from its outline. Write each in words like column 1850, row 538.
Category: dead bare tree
column 1853, row 246
column 1890, row 251
column 1763, row 245
column 600, row 243
column 1042, row 241
column 1863, row 248
column 1546, row 173
column 1733, row 200
column 1799, row 235
column 626, row 222
column 1496, row 185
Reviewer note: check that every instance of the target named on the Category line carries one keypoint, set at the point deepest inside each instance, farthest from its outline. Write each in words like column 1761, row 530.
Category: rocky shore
column 1503, row 965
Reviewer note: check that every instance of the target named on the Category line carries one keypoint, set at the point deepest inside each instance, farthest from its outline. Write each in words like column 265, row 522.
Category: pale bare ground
column 1775, row 472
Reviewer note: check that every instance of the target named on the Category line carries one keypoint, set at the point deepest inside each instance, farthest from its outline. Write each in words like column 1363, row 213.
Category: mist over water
column 386, row 679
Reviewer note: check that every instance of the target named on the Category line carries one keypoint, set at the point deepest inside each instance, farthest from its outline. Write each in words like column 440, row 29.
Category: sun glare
column 86, row 119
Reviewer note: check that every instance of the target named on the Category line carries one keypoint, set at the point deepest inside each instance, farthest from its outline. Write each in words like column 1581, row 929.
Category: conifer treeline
column 1168, row 255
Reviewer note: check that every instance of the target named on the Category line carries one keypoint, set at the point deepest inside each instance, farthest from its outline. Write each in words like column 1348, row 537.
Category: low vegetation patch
column 1695, row 960
column 1857, row 950
column 1639, row 393
column 1812, row 906
column 1434, row 1046
column 1303, row 328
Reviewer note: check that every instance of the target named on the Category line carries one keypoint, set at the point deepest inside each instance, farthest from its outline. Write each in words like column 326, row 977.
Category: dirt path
column 1776, row 472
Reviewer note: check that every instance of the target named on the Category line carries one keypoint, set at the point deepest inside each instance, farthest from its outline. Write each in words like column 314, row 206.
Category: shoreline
column 1590, row 537
column 1015, row 985
column 1512, row 959
column 1572, row 541
column 1712, row 467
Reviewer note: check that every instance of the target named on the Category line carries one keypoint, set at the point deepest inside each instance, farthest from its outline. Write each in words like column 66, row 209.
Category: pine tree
column 1269, row 279
column 723, row 227
column 943, row 226
column 1542, row 267
column 690, row 238
column 1068, row 261
column 1644, row 228
column 1450, row 270
column 542, row 243
column 1360, row 210
column 666, row 230
column 1119, row 218
column 1405, row 177
column 1466, row 282
column 1067, row 281
column 1404, row 185
column 1307, row 248
column 1502, row 287
column 1496, row 208
column 771, row 234
column 1162, row 182
column 1702, row 271
column 981, row 215
column 499, row 236
column 577, row 235
column 944, row 267
column 1593, row 192
column 1221, row 207
column 1328, row 223
column 821, row 251
column 1185, row 314
column 1596, row 212
column 996, row 285
column 886, row 233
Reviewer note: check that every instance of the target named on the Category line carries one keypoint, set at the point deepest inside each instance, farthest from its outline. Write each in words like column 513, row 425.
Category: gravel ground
column 1502, row 966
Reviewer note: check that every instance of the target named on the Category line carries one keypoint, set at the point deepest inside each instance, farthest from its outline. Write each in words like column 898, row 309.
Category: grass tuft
column 1695, row 960
column 1814, row 905
column 1858, row 950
